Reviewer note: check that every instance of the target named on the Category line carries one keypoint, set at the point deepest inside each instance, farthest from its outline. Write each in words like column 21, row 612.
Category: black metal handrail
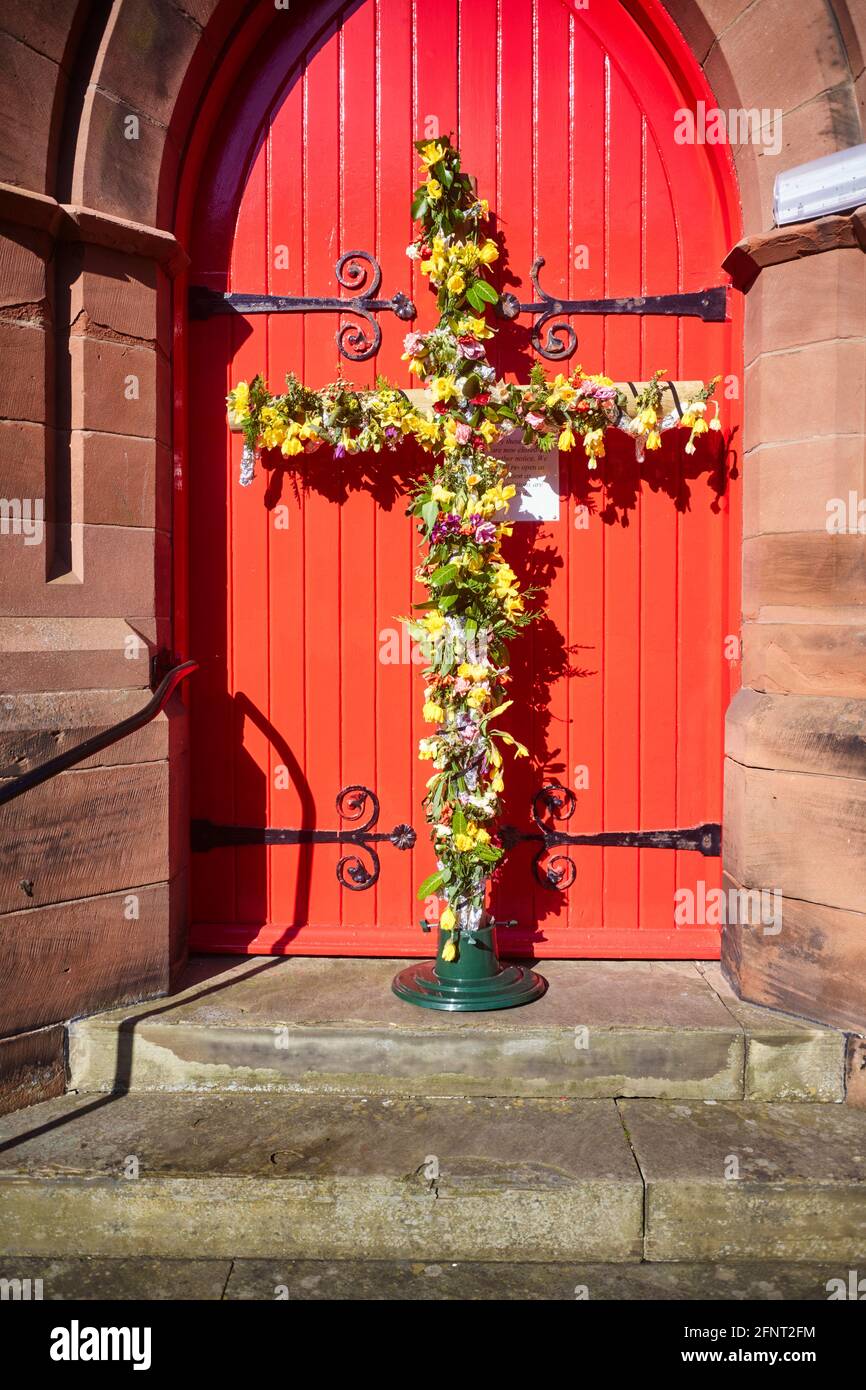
column 169, row 683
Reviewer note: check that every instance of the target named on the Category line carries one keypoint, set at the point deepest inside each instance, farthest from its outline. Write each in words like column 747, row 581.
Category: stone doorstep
column 134, row 1278
column 292, row 1177
column 604, row 1029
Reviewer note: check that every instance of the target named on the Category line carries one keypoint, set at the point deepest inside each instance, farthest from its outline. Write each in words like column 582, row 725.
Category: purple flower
column 485, row 533
column 446, row 526
column 340, row 452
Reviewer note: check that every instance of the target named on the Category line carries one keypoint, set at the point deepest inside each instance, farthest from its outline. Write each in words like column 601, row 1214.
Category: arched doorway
column 567, row 117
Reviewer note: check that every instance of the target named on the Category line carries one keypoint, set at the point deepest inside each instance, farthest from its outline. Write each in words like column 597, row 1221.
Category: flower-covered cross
column 476, row 604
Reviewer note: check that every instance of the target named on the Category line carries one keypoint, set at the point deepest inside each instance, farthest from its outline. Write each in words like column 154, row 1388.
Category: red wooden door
column 566, row 115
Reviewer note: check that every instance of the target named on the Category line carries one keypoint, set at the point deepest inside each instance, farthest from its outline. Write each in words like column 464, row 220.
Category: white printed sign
column 535, row 474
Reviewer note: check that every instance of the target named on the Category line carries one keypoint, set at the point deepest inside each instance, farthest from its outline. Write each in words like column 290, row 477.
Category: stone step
column 295, row 1177
column 136, row 1279
column 669, row 1029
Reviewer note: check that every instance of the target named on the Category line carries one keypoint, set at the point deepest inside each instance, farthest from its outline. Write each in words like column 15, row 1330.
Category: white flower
column 413, row 252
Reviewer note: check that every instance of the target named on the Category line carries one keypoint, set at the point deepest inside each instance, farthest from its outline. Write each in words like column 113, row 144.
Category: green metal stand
column 474, row 983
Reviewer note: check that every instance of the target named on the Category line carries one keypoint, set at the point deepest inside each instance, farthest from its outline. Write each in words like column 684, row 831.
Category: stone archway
column 88, row 257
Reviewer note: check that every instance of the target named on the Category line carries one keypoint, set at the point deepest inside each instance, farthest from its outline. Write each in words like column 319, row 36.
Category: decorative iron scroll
column 356, row 804
column 355, row 270
column 553, row 802
column 561, row 339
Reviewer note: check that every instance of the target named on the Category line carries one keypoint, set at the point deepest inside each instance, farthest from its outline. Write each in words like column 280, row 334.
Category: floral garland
column 475, row 604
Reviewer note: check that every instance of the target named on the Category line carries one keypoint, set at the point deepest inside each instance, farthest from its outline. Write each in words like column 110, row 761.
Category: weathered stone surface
column 106, row 1280
column 803, row 835
column 114, row 388
column 75, row 957
column 39, row 654
column 780, row 396
column 146, row 56
column 626, row 1283
column 806, row 569
column 807, row 299
column 320, row 1177
column 822, row 652
column 828, row 470
column 126, row 480
column 603, row 1029
column 83, row 833
column 755, row 63
column 117, row 293
column 25, row 369
column 728, row 1181
column 797, row 733
column 855, row 1072
column 32, row 1068
column 416, row 1280
column 701, row 21
column 815, row 967
column 121, row 176
column 37, row 727
column 28, row 81
column 786, row 1058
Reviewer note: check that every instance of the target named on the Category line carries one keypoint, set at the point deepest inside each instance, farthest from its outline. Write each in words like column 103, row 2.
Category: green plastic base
column 419, row 984
column 474, row 983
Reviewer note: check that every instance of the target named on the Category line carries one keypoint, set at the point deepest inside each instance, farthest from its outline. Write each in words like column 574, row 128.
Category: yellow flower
column 449, row 951
column 432, row 153
column 648, row 419
column 240, row 398
column 654, row 440
column 488, row 253
column 455, row 284
column 482, row 837
column 497, row 783
column 488, row 431
column 441, row 494
column 434, row 621
column 593, row 443
column 562, row 390
column 447, row 921
column 463, row 843
column 434, row 190
column 442, row 388
column 566, row 439
column 433, row 713
column 477, row 697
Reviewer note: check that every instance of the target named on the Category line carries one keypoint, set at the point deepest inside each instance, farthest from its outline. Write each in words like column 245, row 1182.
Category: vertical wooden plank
column 290, row 794
column 586, row 498
column 212, row 875
column 622, row 600
column 546, row 547
column 395, row 550
column 356, row 500
column 249, row 562
column 658, row 565
column 322, row 519
column 512, row 202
